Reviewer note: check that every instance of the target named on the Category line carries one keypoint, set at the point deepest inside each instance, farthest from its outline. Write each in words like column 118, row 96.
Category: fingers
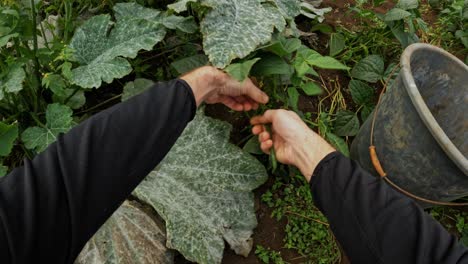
column 231, row 103
column 265, row 146
column 254, row 92
column 266, row 118
column 257, row 129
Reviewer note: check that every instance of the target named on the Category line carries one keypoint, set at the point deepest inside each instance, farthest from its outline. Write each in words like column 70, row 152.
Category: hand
column 212, row 86
column 294, row 142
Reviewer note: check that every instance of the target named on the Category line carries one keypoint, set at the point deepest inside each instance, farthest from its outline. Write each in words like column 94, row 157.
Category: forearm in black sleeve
column 376, row 224
column 52, row 205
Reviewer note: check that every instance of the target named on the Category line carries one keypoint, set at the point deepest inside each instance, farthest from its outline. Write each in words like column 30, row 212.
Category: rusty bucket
column 421, row 126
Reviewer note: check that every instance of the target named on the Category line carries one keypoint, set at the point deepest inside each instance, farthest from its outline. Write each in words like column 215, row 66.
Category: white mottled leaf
column 58, row 120
column 13, row 81
column 203, row 191
column 129, row 236
column 180, row 6
column 136, row 87
column 289, row 8
column 233, row 29
column 100, row 44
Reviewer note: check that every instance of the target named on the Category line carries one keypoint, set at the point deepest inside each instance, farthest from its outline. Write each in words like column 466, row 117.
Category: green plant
column 267, row 255
column 307, row 230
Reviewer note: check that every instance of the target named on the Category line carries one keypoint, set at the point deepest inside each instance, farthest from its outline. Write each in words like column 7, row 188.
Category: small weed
column 266, row 255
column 307, row 229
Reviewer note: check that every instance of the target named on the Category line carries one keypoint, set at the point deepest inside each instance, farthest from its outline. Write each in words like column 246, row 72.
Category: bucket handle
column 378, row 166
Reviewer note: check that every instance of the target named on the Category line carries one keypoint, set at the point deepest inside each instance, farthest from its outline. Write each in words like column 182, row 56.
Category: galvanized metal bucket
column 421, row 126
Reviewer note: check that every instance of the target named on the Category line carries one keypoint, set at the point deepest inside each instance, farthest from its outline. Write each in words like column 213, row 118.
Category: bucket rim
column 423, row 111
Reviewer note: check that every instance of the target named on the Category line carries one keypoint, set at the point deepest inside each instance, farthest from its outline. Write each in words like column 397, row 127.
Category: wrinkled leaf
column 136, row 87
column 100, row 46
column 187, row 64
column 13, row 81
column 370, row 69
column 58, row 120
column 366, row 111
column 337, row 44
column 338, row 143
column 396, row 14
column 233, row 29
column 8, row 135
column 240, row 71
column 361, row 92
column 346, row 124
column 202, row 189
column 128, row 236
column 311, row 89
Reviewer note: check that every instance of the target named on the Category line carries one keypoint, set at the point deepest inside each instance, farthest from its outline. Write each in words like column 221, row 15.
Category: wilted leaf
column 128, row 236
column 370, row 69
column 187, row 64
column 58, row 120
column 100, row 45
column 337, row 43
column 361, row 92
column 240, row 71
column 203, row 190
column 396, row 14
column 346, row 124
column 136, row 87
column 8, row 135
column 338, row 143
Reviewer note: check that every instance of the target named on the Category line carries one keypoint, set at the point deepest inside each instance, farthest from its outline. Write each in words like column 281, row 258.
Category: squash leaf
column 136, row 87
column 101, row 45
column 128, row 236
column 13, row 81
column 202, row 189
column 8, row 135
column 59, row 120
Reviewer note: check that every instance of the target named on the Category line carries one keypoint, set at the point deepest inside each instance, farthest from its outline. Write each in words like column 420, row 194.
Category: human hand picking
column 213, row 86
column 294, row 143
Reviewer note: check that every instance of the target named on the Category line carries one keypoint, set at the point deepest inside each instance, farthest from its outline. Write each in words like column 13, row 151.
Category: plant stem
column 35, row 46
column 308, row 218
column 71, row 95
column 36, row 119
column 100, row 104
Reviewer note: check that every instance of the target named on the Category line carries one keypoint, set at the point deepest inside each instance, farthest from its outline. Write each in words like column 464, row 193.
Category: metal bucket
column 421, row 128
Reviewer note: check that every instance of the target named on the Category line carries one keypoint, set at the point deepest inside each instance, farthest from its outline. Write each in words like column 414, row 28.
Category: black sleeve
column 51, row 206
column 376, row 224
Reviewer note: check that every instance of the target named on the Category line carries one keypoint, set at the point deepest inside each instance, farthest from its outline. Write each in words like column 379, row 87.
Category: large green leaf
column 271, row 64
column 128, row 236
column 59, row 120
column 346, row 124
column 187, row 64
column 203, row 191
column 361, row 92
column 337, row 43
column 407, row 4
column 180, row 6
column 240, row 71
column 289, row 8
column 339, row 143
column 100, row 45
column 396, row 14
column 13, row 81
column 8, row 135
column 370, row 69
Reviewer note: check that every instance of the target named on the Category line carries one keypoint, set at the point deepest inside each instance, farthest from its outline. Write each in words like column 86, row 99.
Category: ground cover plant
column 62, row 61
